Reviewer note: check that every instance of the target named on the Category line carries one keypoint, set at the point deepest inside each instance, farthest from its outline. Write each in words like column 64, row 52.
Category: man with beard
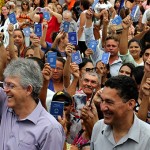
column 120, row 129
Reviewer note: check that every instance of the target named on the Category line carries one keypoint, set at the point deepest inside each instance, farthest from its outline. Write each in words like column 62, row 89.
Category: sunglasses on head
column 90, row 69
column 24, row 4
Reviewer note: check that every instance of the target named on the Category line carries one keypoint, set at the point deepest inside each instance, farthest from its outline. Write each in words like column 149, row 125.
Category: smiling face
column 5, row 10
column 15, row 92
column 135, row 50
column 112, row 106
column 89, row 83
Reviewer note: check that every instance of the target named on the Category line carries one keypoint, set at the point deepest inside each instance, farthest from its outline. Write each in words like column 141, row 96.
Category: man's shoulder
column 145, row 128
column 99, row 126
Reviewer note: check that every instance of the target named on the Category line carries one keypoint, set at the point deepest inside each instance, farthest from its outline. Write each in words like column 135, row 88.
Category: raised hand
column 10, row 29
column 126, row 23
column 75, row 70
column 47, row 72
column 69, row 49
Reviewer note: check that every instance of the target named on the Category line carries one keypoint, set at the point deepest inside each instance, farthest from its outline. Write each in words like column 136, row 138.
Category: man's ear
column 131, row 104
column 29, row 90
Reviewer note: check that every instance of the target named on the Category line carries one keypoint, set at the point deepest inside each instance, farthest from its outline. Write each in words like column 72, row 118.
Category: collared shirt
column 38, row 131
column 137, row 138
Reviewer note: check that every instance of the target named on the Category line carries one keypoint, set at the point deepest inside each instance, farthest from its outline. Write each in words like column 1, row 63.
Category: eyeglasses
column 90, row 69
column 8, row 85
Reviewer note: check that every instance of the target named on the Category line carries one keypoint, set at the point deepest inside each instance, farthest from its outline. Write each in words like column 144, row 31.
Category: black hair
column 2, row 16
column 145, row 39
column 85, row 3
column 20, row 31
column 77, row 10
column 146, row 47
column 130, row 65
column 61, row 60
column 138, row 73
column 84, row 62
column 38, row 60
column 54, row 34
column 42, row 3
column 125, row 86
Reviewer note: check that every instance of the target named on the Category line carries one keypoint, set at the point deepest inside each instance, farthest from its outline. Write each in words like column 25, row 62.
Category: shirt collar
column 34, row 116
column 134, row 132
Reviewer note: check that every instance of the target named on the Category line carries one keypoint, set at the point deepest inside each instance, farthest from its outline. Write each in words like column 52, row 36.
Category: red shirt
column 53, row 26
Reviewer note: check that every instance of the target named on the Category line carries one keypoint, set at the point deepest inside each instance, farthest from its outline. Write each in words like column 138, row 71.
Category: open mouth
column 9, row 96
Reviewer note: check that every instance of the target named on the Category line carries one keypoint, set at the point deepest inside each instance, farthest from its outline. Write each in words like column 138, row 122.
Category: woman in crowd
column 59, row 8
column 53, row 23
column 22, row 14
column 126, row 69
column 56, row 82
column 19, row 40
column 84, row 5
column 4, row 14
column 117, row 6
column 135, row 49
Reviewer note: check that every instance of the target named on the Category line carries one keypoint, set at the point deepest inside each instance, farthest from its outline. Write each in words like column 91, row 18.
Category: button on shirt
column 138, row 137
column 38, row 131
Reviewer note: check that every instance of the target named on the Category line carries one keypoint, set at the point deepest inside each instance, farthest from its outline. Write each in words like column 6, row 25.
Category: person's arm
column 141, row 34
column 53, row 13
column 89, row 116
column 82, row 23
column 3, row 60
column 75, row 71
column 66, row 71
column 88, row 30
column 36, row 45
column 43, row 37
column 11, row 42
column 113, row 12
column 47, row 73
column 143, row 109
column 54, row 137
column 123, row 46
column 105, row 26
column 58, row 37
column 33, row 16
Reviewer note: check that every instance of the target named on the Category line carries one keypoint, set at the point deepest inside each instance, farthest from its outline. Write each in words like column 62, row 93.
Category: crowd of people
column 104, row 94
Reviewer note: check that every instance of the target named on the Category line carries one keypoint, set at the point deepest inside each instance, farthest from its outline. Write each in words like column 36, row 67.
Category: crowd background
column 128, row 44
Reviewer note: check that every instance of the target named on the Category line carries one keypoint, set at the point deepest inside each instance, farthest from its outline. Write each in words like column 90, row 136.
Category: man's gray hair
column 29, row 73
column 92, row 74
column 67, row 12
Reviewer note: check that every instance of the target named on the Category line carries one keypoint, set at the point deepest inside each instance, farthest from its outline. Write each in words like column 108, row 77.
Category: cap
column 148, row 15
column 64, row 95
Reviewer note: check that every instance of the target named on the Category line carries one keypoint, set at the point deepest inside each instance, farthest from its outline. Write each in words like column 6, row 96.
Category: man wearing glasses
column 25, row 124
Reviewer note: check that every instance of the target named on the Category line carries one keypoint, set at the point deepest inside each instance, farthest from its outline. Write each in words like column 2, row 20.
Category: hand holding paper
column 51, row 59
column 76, row 57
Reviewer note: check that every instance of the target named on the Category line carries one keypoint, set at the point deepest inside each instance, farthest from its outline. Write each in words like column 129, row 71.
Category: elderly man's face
column 67, row 17
column 89, row 83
